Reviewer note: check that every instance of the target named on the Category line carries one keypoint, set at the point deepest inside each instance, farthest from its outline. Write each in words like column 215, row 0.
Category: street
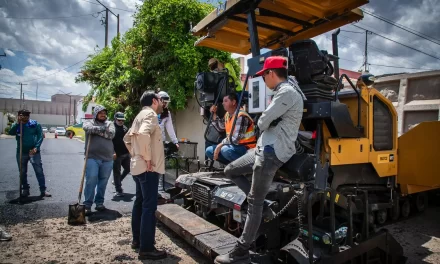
column 63, row 160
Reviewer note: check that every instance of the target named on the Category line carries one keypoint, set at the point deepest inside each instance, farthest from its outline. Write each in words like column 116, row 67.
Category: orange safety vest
column 249, row 136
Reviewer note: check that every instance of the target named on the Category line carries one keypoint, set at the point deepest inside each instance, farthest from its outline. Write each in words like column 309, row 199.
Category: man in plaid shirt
column 243, row 137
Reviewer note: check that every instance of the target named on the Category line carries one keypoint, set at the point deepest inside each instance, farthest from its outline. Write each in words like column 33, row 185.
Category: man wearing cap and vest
column 279, row 125
column 121, row 156
column 215, row 65
column 243, row 137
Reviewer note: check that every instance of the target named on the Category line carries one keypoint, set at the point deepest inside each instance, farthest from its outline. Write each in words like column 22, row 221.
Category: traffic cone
column 44, row 135
column 71, row 135
column 56, row 135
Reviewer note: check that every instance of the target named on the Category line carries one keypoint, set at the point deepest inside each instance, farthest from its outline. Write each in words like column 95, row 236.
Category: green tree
column 158, row 52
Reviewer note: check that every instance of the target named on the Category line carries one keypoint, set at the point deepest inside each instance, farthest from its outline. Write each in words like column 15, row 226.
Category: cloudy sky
column 47, row 41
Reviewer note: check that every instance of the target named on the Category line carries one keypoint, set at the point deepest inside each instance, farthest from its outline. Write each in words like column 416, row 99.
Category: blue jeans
column 97, row 175
column 38, row 169
column 227, row 154
column 143, row 220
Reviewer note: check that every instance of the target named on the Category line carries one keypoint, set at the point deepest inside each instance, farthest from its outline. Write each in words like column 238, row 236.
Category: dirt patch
column 53, row 241
column 419, row 236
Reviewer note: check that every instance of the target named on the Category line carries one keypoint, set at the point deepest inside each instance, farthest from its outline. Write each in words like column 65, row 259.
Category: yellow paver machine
column 351, row 173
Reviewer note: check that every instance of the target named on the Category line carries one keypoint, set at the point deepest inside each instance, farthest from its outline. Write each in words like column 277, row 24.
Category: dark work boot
column 155, row 254
column 25, row 193
column 45, row 194
column 236, row 256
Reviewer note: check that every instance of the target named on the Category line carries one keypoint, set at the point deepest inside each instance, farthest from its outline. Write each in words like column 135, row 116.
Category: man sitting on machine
column 243, row 136
column 279, row 124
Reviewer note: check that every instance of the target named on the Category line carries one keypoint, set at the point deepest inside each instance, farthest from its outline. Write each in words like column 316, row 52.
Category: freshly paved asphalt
column 63, row 161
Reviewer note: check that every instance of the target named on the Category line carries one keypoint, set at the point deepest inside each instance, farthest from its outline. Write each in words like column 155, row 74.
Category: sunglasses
column 265, row 73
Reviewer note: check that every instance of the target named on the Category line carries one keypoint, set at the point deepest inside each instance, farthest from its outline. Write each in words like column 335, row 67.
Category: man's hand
column 114, row 156
column 177, row 145
column 213, row 110
column 217, row 151
column 149, row 165
column 33, row 151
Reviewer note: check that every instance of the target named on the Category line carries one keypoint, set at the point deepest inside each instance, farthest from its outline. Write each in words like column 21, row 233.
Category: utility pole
column 366, row 51
column 74, row 111
column 106, row 26
column 107, row 10
column 36, row 93
column 21, row 94
column 70, row 104
column 4, row 54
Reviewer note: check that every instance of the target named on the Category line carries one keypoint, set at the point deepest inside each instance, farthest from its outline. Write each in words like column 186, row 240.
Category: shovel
column 20, row 199
column 77, row 211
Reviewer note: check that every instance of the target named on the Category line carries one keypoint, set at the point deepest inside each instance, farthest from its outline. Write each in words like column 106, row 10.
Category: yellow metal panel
column 412, row 189
column 219, row 31
column 383, row 167
column 348, row 151
column 419, row 156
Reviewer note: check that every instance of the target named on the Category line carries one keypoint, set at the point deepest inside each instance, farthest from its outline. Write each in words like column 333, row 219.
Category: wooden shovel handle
column 84, row 169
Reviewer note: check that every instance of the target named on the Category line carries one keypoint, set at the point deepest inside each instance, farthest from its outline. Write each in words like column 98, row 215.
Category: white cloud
column 9, row 53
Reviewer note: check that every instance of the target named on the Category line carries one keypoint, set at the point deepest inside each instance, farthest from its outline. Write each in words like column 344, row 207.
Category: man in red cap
column 279, row 125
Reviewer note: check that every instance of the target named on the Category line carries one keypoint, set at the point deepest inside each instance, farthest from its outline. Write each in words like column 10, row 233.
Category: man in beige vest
column 144, row 142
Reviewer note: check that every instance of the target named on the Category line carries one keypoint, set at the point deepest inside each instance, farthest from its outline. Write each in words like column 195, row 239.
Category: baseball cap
column 273, row 62
column 119, row 116
column 24, row 112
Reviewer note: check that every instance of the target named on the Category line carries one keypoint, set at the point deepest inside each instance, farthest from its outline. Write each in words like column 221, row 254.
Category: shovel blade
column 77, row 214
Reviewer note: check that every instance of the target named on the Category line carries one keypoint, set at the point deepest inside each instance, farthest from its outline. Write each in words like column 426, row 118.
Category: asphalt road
column 62, row 164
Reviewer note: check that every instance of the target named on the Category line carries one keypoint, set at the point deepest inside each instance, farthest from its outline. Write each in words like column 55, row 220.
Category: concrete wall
column 3, row 122
column 45, row 112
column 415, row 96
column 189, row 124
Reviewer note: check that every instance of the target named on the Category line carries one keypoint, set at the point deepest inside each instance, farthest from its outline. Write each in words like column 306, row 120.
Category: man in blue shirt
column 32, row 138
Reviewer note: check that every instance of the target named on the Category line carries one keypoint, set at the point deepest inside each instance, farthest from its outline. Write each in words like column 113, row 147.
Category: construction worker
column 215, row 65
column 100, row 132
column 165, row 120
column 121, row 157
column 32, row 138
column 279, row 125
column 243, row 136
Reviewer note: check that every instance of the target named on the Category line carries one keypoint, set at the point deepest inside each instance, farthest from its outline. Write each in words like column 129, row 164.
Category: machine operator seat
column 313, row 70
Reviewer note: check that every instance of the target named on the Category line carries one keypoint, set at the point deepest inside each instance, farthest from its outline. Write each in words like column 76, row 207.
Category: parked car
column 60, row 131
column 75, row 130
column 44, row 129
column 52, row 129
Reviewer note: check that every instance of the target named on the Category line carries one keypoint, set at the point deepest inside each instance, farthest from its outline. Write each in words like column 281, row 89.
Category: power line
column 381, row 50
column 42, row 53
column 52, row 17
column 41, row 77
column 400, row 43
column 398, row 67
column 412, row 31
column 131, row 11
column 352, row 31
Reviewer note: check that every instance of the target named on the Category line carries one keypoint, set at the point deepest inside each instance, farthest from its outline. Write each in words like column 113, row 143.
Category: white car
column 60, row 131
column 44, row 129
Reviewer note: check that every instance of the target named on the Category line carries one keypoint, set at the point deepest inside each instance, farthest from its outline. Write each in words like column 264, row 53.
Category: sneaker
column 100, row 208
column 4, row 236
column 25, row 193
column 113, row 182
column 45, row 194
column 155, row 254
column 235, row 256
column 119, row 194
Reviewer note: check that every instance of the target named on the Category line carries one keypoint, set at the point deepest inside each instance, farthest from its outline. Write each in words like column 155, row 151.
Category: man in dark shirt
column 100, row 132
column 121, row 156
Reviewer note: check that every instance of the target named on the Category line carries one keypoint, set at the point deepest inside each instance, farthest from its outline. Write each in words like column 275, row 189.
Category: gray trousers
column 263, row 163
